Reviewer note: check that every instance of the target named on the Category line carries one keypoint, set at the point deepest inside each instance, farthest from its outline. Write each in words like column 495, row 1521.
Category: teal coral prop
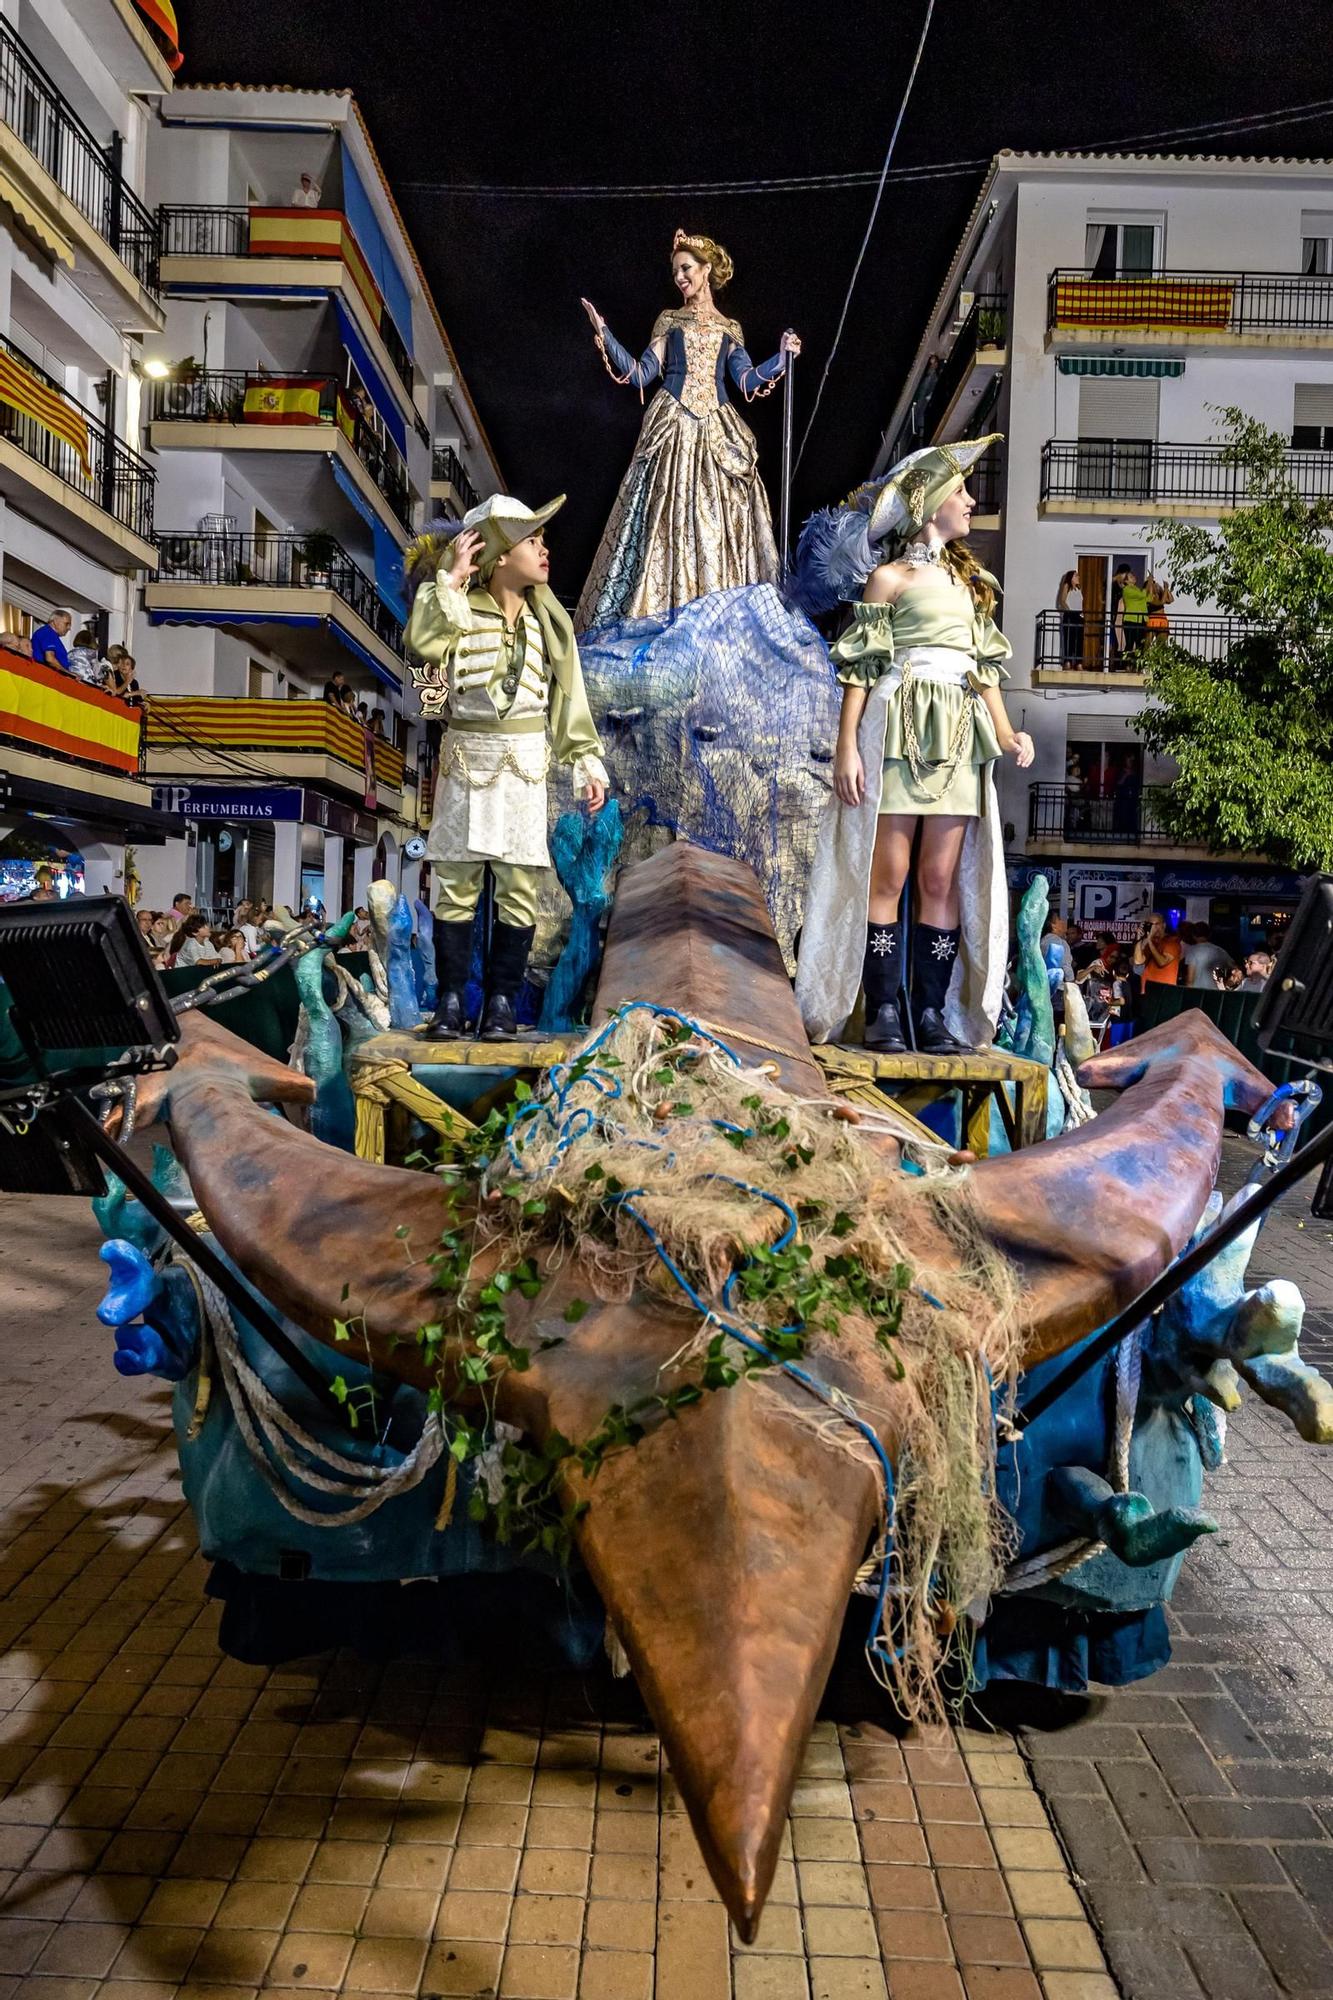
column 584, row 847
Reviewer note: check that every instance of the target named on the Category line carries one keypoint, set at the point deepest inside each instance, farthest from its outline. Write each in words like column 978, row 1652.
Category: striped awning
column 163, row 17
column 26, row 392
column 1119, row 364
column 31, row 218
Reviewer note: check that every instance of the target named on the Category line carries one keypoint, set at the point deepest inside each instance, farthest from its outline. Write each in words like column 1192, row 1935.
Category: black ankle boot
column 510, row 945
column 882, row 980
column 453, row 962
column 934, row 952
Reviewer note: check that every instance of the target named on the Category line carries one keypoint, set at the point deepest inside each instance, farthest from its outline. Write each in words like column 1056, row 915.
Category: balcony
column 61, row 736
column 449, row 480
column 220, row 410
column 978, row 354
column 69, row 192
column 1262, row 310
column 305, row 587
column 211, row 251
column 200, row 738
column 1140, row 479
column 1064, row 818
column 62, row 465
column 1075, row 650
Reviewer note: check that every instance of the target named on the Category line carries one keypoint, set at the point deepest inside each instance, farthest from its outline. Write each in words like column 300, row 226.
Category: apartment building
column 80, row 289
column 305, row 414
column 1099, row 310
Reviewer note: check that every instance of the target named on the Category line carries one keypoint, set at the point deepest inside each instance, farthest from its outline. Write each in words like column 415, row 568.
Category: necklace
column 923, row 555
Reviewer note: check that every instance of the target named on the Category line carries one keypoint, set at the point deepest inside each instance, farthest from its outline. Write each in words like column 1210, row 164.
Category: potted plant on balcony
column 318, row 552
column 181, row 393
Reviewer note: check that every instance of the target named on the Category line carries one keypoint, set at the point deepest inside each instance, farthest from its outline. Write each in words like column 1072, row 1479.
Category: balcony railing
column 1232, row 302
column 1131, row 817
column 277, row 562
column 51, row 714
column 986, row 325
column 1140, row 471
column 118, row 480
column 1077, row 642
column 89, row 174
column 445, row 464
column 193, row 723
column 220, row 396
column 210, row 230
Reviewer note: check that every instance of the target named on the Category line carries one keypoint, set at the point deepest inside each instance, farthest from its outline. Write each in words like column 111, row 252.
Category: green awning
column 1116, row 364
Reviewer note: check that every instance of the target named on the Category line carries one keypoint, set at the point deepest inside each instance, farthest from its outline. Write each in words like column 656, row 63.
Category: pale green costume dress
column 928, row 745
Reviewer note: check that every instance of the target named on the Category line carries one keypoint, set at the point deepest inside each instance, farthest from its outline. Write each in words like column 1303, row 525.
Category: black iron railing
column 89, row 174
column 1076, row 642
column 1142, row 471
column 277, row 562
column 117, row 480
column 986, row 325
column 205, row 230
column 229, row 396
column 396, row 351
column 445, row 464
column 1130, row 817
column 985, row 482
column 1231, row 302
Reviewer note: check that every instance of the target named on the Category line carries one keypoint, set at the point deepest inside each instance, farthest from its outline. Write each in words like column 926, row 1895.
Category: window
column 1312, row 417
column 1316, row 244
column 1117, row 423
column 254, row 681
column 1122, row 245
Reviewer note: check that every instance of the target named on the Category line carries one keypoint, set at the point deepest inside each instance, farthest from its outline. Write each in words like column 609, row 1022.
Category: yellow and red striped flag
column 27, row 393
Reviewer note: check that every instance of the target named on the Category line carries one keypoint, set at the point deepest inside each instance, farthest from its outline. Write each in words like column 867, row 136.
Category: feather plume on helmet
column 426, row 551
column 839, row 546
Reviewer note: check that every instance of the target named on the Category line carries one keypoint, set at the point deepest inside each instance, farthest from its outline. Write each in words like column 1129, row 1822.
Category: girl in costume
column 691, row 516
column 922, row 725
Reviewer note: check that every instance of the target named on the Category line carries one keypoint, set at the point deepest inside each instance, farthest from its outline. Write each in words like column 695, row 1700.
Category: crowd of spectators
column 1112, row 973
column 339, row 694
column 79, row 655
column 183, row 935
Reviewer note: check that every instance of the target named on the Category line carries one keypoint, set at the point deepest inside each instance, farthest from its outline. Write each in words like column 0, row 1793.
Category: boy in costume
column 503, row 669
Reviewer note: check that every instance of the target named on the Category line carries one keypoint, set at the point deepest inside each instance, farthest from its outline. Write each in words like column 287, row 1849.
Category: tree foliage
column 1252, row 732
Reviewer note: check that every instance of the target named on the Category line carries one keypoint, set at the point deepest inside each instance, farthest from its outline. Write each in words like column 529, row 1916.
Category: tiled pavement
column 1197, row 1807
column 176, row 1823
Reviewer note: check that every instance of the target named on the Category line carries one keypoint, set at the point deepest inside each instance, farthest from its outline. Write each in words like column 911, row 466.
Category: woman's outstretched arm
column 620, row 363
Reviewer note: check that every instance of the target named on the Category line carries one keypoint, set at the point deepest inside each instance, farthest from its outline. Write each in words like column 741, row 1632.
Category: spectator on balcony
column 1069, row 603
column 306, row 193
column 1202, row 960
column 48, row 641
column 377, row 725
column 193, row 943
column 1133, row 613
column 85, row 659
column 336, row 691
column 120, row 677
column 14, row 642
column 1157, row 953
column 1160, row 594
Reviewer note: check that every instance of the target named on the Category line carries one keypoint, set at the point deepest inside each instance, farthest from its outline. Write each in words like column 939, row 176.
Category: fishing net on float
column 658, row 1161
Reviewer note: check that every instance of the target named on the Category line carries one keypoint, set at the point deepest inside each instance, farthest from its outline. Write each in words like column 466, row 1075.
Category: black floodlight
column 47, row 1152
column 1297, row 1002
column 84, row 989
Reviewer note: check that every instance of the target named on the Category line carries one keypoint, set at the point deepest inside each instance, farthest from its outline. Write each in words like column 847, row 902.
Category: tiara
column 681, row 241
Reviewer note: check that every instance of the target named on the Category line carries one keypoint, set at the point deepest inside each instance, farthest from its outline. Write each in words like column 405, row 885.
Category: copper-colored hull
column 724, row 1545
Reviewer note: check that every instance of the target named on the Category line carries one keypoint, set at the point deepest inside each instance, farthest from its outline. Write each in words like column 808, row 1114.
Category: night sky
column 563, row 92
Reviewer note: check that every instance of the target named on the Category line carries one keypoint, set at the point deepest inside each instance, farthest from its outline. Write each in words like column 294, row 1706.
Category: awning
column 31, row 218
column 388, row 555
column 1119, row 364
column 376, row 386
column 246, row 615
column 384, row 270
column 163, row 17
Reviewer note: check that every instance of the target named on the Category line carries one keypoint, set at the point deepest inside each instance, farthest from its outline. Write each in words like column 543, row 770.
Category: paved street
column 178, row 1824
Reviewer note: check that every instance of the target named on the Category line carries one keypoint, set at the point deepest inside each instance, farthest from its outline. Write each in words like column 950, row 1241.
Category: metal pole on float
column 784, row 510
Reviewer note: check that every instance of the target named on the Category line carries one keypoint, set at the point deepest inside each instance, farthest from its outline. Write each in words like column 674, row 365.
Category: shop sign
column 205, row 802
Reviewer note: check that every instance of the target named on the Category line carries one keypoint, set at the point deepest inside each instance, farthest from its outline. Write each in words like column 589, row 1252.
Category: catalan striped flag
column 283, row 399
column 27, row 393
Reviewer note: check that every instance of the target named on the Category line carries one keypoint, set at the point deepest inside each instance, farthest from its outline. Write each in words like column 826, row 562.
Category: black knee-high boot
column 510, row 945
column 882, row 980
column 453, row 962
column 934, row 952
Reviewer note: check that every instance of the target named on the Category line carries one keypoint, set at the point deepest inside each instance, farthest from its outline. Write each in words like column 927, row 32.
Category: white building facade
column 1100, row 311
column 80, row 290
column 305, row 416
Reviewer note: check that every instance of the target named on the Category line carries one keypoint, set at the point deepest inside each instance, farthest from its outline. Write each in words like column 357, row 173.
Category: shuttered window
column 1117, row 407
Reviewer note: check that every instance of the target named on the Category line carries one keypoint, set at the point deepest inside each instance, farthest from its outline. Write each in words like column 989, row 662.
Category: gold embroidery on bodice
column 703, row 338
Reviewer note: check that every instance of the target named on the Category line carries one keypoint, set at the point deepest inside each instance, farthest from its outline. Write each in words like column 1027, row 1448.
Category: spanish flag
column 29, row 394
column 162, row 15
column 283, row 399
column 346, row 418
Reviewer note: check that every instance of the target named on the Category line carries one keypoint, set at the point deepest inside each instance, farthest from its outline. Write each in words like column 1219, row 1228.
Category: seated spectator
column 232, row 949
column 182, row 906
column 165, row 927
column 1258, row 971
column 48, row 641
column 193, row 943
column 86, row 662
column 1201, row 959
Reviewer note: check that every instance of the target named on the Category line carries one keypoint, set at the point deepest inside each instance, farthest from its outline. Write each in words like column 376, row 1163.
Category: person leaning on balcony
column 1069, row 603
column 1160, row 594
column 336, row 691
column 48, row 641
column 1157, row 953
column 14, row 642
column 85, row 662
column 306, row 193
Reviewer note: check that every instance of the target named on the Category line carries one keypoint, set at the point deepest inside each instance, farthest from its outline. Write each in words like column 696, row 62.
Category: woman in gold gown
column 691, row 515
